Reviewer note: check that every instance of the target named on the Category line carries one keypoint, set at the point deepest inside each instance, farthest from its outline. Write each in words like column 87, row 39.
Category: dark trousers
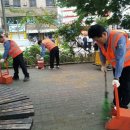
column 54, row 54
column 124, row 88
column 87, row 46
column 19, row 61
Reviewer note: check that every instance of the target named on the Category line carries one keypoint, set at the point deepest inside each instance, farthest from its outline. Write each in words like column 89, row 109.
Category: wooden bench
column 16, row 110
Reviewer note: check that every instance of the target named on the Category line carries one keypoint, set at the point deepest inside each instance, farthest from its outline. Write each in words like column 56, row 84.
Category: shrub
column 30, row 55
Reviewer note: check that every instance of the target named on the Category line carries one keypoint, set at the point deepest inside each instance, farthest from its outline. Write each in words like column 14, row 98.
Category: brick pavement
column 66, row 99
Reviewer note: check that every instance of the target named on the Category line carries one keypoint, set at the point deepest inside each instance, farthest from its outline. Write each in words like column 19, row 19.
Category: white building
column 67, row 15
column 21, row 8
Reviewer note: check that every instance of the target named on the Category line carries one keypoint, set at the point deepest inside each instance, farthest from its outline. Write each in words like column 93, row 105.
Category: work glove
column 41, row 58
column 2, row 60
column 103, row 68
column 116, row 82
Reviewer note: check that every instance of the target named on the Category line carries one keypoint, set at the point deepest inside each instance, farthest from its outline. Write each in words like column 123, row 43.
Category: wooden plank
column 16, row 108
column 18, row 124
column 13, row 92
column 4, row 90
column 16, row 127
column 16, row 104
column 17, row 114
column 9, row 91
column 10, row 94
column 16, row 121
column 13, row 99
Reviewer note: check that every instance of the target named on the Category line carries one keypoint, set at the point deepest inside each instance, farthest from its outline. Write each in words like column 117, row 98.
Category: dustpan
column 5, row 78
column 122, row 119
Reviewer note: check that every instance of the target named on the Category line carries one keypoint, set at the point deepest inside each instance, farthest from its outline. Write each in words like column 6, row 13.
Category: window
column 32, row 3
column 16, row 3
column 50, row 3
column 6, row 3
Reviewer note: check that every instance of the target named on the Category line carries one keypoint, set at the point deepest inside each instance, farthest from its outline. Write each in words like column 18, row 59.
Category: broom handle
column 6, row 63
column 117, row 101
column 7, row 67
column 106, row 93
column 0, row 69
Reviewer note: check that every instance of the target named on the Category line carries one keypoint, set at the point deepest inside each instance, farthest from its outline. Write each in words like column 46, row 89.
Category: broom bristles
column 106, row 110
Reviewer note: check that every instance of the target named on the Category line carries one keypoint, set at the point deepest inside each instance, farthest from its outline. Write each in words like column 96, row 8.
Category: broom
column 106, row 108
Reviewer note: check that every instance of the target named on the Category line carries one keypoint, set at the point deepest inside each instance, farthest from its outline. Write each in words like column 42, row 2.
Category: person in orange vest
column 13, row 50
column 53, row 49
column 115, row 47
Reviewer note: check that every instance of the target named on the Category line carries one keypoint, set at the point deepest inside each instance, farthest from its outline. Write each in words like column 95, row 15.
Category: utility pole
column 3, row 16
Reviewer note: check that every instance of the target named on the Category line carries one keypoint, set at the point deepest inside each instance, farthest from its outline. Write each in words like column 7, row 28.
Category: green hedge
column 66, row 56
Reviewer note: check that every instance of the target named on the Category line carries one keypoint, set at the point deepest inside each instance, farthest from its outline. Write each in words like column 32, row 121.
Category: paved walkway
column 66, row 99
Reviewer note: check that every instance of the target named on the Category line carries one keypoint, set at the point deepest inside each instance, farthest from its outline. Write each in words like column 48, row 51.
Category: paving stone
column 66, row 99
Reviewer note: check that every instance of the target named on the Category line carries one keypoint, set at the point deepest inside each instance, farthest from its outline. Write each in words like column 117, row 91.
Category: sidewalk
column 70, row 98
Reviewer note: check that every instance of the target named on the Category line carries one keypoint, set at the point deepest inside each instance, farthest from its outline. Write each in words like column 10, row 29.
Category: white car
column 23, row 43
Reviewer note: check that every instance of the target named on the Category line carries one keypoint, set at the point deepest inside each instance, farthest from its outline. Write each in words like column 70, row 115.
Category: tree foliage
column 102, row 21
column 70, row 31
column 45, row 18
column 126, row 22
column 99, row 8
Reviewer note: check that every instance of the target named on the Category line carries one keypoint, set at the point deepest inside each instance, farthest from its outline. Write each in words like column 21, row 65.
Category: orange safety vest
column 14, row 49
column 48, row 44
column 113, row 39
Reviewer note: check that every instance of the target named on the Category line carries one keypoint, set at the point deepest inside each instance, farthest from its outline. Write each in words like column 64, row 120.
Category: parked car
column 24, row 43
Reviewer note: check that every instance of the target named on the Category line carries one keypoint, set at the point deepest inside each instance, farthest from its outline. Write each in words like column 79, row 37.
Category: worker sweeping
column 115, row 47
column 53, row 49
column 13, row 50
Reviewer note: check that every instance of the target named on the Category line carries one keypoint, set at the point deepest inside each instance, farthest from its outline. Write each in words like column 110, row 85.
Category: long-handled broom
column 106, row 108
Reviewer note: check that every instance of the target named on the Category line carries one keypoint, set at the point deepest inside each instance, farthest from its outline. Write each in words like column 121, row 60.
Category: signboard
column 16, row 28
column 67, row 15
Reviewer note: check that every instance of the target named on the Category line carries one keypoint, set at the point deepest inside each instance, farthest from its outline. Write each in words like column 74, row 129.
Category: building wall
column 0, row 22
column 41, row 3
column 25, row 7
column 25, row 3
column 67, row 15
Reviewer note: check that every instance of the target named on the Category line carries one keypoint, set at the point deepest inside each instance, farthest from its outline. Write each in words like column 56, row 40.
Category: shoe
column 50, row 68
column 109, row 68
column 26, row 79
column 114, row 111
column 15, row 78
column 57, row 67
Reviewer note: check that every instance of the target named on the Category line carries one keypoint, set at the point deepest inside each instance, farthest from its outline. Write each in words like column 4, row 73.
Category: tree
column 70, row 31
column 114, row 8
column 102, row 21
column 126, row 22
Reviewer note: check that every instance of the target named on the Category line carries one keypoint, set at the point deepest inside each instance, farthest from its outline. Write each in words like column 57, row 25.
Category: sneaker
column 109, row 68
column 15, row 78
column 50, row 68
column 57, row 67
column 114, row 111
column 26, row 79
